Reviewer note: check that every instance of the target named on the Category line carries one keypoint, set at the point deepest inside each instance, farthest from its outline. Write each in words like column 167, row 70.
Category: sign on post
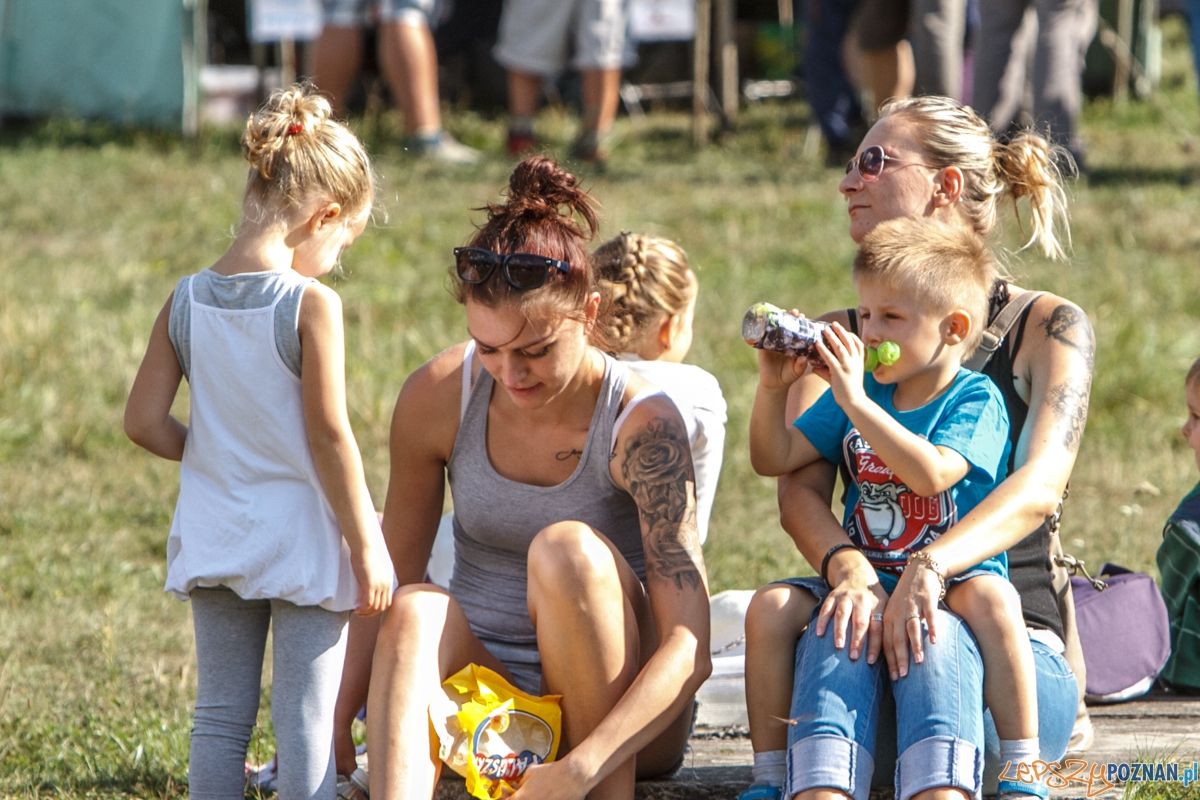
column 284, row 20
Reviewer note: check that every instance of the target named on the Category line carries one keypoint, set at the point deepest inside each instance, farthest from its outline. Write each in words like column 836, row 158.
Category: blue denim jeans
column 836, row 706
column 1057, row 699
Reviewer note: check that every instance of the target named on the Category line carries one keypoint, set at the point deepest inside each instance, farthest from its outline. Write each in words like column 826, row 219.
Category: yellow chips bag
column 490, row 732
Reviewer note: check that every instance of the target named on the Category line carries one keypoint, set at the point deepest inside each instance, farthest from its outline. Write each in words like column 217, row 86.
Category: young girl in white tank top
column 274, row 526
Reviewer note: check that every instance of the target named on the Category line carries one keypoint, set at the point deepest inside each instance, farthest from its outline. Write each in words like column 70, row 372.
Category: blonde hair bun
column 297, row 150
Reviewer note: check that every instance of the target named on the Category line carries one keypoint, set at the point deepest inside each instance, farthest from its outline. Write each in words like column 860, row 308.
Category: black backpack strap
column 1001, row 325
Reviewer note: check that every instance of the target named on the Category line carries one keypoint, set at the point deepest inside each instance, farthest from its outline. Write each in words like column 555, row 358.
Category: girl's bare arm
column 334, row 449
column 148, row 420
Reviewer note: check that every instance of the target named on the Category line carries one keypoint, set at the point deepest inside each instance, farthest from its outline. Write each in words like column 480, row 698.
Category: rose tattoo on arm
column 1070, row 404
column 658, row 471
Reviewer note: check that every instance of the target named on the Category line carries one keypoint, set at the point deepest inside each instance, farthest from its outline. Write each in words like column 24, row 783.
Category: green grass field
column 96, row 664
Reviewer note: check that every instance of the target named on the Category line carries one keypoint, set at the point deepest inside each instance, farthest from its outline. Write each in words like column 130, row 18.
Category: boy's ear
column 957, row 326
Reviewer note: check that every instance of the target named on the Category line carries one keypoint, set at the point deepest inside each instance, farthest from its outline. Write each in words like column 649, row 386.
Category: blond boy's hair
column 944, row 267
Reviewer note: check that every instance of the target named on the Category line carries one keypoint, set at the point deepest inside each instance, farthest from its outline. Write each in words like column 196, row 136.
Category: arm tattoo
column 1069, row 401
column 1070, row 326
column 658, row 473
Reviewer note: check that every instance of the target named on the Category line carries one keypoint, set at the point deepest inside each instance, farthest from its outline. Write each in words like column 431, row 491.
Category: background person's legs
column 600, row 27
column 601, row 95
column 409, row 63
column 1065, row 29
column 336, row 59
column 408, row 60
column 938, row 32
column 834, row 100
column 531, row 44
column 524, row 95
column 1002, row 49
column 880, row 31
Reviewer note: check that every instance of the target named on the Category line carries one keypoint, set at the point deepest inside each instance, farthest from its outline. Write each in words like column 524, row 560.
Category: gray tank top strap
column 496, row 518
column 282, row 289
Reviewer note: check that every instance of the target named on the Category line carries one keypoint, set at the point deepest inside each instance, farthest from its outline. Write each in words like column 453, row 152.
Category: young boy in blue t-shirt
column 924, row 441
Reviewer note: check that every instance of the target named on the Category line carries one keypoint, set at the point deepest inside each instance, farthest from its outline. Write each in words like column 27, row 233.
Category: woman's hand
column 855, row 605
column 553, row 781
column 844, row 355
column 914, row 600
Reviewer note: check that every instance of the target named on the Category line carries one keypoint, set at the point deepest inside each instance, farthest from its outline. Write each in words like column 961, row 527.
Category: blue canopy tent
column 120, row 60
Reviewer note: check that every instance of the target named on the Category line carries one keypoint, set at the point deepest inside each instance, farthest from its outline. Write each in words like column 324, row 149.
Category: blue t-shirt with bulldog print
column 883, row 516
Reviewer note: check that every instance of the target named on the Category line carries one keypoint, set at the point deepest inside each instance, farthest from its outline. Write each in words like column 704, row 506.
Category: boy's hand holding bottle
column 788, row 343
column 844, row 357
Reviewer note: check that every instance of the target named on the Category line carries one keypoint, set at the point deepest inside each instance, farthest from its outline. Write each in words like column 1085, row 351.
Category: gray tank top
column 495, row 518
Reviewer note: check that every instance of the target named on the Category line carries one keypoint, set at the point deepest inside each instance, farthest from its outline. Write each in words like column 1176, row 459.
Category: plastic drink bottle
column 769, row 327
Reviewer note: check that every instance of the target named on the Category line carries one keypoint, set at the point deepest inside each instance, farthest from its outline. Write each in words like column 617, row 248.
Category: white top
column 251, row 514
column 698, row 397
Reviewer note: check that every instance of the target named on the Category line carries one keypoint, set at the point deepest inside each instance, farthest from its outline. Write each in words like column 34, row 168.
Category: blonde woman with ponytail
column 650, row 305
column 934, row 157
column 274, row 527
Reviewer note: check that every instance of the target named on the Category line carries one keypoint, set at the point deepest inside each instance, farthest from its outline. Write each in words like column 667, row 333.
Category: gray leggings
column 231, row 636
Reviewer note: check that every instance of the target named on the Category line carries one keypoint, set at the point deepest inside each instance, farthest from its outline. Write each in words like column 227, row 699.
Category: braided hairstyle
column 298, row 153
column 953, row 135
column 642, row 279
column 538, row 216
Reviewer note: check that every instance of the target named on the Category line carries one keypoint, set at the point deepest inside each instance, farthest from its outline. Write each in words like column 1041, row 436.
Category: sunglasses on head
column 522, row 270
column 870, row 162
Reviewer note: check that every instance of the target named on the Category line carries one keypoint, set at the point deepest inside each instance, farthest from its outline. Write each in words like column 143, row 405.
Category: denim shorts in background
column 360, row 13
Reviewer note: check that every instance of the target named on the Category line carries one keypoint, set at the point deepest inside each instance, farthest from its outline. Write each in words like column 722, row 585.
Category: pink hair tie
column 294, row 128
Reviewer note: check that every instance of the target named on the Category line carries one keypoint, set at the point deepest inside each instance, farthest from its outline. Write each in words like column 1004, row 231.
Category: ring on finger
column 912, row 616
column 877, row 617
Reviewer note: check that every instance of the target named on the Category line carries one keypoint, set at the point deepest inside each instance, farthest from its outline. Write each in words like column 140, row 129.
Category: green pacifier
column 887, row 353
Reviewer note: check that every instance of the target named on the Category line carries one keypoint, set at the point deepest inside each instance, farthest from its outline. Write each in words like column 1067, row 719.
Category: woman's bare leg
column 777, row 615
column 586, row 604
column 423, row 639
column 352, row 694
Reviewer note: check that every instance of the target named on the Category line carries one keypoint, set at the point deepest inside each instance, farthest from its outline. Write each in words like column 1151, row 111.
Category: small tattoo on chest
column 566, row 454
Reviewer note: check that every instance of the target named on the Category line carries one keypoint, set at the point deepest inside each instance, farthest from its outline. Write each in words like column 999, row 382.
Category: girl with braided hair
column 650, row 304
column 274, row 526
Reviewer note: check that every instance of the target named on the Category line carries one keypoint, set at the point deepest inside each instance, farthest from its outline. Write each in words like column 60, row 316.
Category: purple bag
column 1124, row 632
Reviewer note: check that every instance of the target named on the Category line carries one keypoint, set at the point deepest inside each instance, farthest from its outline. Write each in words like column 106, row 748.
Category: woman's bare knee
column 568, row 557
column 415, row 611
column 779, row 612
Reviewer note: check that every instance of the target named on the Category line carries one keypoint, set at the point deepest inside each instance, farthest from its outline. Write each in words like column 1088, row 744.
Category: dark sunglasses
column 870, row 162
column 522, row 270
